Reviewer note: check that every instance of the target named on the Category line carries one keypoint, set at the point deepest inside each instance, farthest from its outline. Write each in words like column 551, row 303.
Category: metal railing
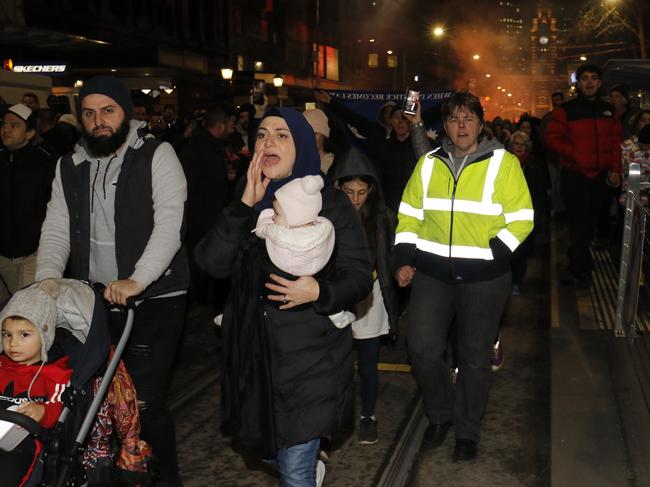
column 632, row 257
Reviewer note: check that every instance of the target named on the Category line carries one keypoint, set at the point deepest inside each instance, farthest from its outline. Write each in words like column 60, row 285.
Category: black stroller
column 85, row 338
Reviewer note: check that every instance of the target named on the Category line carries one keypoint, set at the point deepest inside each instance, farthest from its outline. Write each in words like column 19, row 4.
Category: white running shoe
column 320, row 473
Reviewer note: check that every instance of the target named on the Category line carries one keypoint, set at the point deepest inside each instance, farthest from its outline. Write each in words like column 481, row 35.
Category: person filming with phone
column 394, row 156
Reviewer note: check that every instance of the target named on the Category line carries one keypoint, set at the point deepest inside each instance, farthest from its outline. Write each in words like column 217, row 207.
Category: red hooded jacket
column 586, row 135
column 47, row 388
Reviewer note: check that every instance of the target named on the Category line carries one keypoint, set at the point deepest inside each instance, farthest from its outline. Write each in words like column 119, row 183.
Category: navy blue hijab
column 307, row 158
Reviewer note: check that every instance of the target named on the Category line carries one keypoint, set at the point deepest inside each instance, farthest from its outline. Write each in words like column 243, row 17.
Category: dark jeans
column 477, row 309
column 583, row 198
column 297, row 464
column 367, row 358
column 148, row 358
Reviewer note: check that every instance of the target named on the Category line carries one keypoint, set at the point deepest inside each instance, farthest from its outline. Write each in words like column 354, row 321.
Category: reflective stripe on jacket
column 460, row 218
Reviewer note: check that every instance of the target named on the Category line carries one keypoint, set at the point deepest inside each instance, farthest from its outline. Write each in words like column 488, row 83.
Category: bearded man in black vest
column 116, row 217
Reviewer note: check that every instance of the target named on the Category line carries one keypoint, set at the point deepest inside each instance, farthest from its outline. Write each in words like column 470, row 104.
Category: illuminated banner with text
column 368, row 103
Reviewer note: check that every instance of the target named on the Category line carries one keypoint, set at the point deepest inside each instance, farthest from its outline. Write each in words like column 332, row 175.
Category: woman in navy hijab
column 287, row 377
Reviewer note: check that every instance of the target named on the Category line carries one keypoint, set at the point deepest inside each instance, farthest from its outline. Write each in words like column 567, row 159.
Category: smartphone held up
column 411, row 101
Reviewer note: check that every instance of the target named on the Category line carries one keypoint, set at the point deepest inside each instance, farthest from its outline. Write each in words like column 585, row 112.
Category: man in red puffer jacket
column 585, row 133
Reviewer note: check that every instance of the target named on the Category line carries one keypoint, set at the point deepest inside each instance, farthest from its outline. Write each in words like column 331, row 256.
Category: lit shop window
column 326, row 62
column 373, row 60
column 391, row 61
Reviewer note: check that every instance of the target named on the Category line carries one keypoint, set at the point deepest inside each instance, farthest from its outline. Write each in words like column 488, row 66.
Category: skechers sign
column 40, row 68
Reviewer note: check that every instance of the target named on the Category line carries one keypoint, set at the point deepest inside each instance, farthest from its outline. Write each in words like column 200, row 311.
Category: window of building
column 240, row 62
column 326, row 63
column 332, row 63
column 391, row 61
column 373, row 60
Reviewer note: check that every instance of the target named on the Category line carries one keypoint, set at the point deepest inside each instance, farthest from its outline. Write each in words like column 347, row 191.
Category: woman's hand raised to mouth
column 256, row 183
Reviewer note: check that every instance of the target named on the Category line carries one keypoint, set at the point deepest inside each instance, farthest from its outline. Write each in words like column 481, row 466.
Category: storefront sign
column 40, row 68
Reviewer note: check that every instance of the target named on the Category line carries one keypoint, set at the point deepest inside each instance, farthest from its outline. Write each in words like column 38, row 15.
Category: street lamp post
column 278, row 82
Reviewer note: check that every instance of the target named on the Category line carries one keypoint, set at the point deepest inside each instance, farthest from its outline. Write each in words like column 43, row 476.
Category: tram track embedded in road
column 195, row 387
column 398, row 465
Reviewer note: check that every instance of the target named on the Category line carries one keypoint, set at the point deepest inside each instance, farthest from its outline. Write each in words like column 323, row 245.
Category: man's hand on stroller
column 117, row 292
column 32, row 410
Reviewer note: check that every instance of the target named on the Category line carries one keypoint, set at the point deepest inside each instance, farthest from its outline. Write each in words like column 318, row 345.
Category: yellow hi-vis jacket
column 463, row 228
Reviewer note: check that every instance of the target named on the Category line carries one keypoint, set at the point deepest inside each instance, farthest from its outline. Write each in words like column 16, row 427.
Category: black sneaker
column 367, row 431
column 465, row 450
column 435, row 435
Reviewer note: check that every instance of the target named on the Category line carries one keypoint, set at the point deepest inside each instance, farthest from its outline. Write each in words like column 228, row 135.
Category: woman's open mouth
column 270, row 159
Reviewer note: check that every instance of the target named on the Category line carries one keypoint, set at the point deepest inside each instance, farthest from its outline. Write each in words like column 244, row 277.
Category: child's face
column 21, row 341
column 279, row 214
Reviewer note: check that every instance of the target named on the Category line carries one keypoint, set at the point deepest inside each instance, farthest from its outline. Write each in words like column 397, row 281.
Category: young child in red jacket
column 27, row 379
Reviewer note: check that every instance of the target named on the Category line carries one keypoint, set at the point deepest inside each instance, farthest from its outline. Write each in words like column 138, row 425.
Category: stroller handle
column 131, row 302
column 108, row 375
column 33, row 427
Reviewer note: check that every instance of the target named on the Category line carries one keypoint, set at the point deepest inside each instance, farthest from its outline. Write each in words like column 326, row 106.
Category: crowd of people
column 310, row 234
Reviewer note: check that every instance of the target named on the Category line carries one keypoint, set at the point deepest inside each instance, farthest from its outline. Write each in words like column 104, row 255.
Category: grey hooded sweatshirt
column 169, row 192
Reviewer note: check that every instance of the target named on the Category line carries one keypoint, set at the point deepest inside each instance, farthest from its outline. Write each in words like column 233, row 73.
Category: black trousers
column 583, row 199
column 367, row 359
column 148, row 358
column 477, row 308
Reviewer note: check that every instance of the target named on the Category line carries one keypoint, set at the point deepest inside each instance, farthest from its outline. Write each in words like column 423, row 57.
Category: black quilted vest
column 133, row 219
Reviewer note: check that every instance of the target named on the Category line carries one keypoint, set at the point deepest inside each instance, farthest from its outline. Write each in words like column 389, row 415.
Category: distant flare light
column 476, row 57
column 438, row 31
column 583, row 58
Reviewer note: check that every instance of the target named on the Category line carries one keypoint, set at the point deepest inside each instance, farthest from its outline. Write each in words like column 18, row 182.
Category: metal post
column 633, row 195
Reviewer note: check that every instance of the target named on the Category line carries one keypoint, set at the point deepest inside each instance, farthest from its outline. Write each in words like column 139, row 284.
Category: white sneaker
column 320, row 473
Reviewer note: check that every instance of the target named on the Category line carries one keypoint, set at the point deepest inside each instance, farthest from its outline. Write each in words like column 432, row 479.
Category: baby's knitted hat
column 37, row 306
column 301, row 200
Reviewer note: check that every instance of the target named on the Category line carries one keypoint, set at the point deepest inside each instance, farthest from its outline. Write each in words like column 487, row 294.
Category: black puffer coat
column 287, row 373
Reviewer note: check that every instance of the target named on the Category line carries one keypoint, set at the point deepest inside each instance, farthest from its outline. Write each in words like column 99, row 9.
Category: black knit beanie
column 111, row 87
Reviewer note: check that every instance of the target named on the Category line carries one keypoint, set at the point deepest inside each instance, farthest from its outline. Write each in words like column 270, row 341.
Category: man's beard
column 103, row 146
